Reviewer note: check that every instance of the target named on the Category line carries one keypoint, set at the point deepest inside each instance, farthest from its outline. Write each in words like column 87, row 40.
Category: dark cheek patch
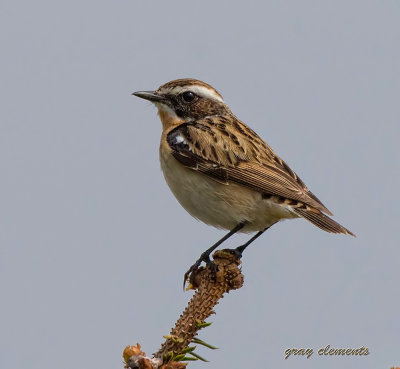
column 199, row 109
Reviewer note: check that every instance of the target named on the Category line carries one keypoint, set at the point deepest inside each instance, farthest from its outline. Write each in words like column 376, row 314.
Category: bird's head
column 184, row 100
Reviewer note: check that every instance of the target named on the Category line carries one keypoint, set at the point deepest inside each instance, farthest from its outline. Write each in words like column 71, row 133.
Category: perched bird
column 222, row 172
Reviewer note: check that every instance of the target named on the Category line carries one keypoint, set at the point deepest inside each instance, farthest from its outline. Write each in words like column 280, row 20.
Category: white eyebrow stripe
column 205, row 92
column 198, row 90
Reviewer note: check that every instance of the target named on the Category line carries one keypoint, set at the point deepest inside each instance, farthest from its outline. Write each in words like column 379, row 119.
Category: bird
column 222, row 172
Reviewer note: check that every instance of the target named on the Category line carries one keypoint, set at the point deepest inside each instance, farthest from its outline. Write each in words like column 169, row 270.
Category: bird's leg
column 205, row 256
column 239, row 250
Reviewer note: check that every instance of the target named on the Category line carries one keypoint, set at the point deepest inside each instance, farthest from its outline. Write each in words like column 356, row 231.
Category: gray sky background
column 93, row 246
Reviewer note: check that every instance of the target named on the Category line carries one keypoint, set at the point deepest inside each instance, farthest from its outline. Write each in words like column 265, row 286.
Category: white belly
column 217, row 204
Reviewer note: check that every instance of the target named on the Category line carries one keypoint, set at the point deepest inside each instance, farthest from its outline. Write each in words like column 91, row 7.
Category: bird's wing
column 234, row 153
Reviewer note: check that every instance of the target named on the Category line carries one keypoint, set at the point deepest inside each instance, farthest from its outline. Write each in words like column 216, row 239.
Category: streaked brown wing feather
column 233, row 152
column 322, row 221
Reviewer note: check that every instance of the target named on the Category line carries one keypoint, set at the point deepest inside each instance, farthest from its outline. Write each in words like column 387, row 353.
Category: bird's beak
column 149, row 95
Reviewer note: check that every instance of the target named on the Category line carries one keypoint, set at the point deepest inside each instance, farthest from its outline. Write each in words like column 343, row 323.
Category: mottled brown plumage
column 204, row 136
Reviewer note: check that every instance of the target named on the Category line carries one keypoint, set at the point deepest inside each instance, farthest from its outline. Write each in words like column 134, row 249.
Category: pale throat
column 167, row 116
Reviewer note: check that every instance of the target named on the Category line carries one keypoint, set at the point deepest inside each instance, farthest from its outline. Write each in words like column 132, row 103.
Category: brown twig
column 209, row 291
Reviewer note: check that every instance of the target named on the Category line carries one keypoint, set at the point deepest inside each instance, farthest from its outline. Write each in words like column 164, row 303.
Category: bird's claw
column 189, row 275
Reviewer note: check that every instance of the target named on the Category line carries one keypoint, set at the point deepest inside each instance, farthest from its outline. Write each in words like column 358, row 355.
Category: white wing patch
column 179, row 139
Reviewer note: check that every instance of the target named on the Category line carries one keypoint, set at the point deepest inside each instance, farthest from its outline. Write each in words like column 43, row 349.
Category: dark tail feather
column 322, row 221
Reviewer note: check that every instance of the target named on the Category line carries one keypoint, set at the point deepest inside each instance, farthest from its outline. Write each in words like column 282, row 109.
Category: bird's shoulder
column 221, row 139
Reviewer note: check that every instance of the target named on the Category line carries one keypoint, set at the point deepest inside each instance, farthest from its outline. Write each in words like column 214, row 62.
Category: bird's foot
column 205, row 257
column 238, row 251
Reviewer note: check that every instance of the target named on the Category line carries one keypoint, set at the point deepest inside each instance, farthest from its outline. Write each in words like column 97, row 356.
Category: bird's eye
column 188, row 96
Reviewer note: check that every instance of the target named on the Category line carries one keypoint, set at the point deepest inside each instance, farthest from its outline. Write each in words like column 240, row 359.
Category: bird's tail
column 322, row 221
